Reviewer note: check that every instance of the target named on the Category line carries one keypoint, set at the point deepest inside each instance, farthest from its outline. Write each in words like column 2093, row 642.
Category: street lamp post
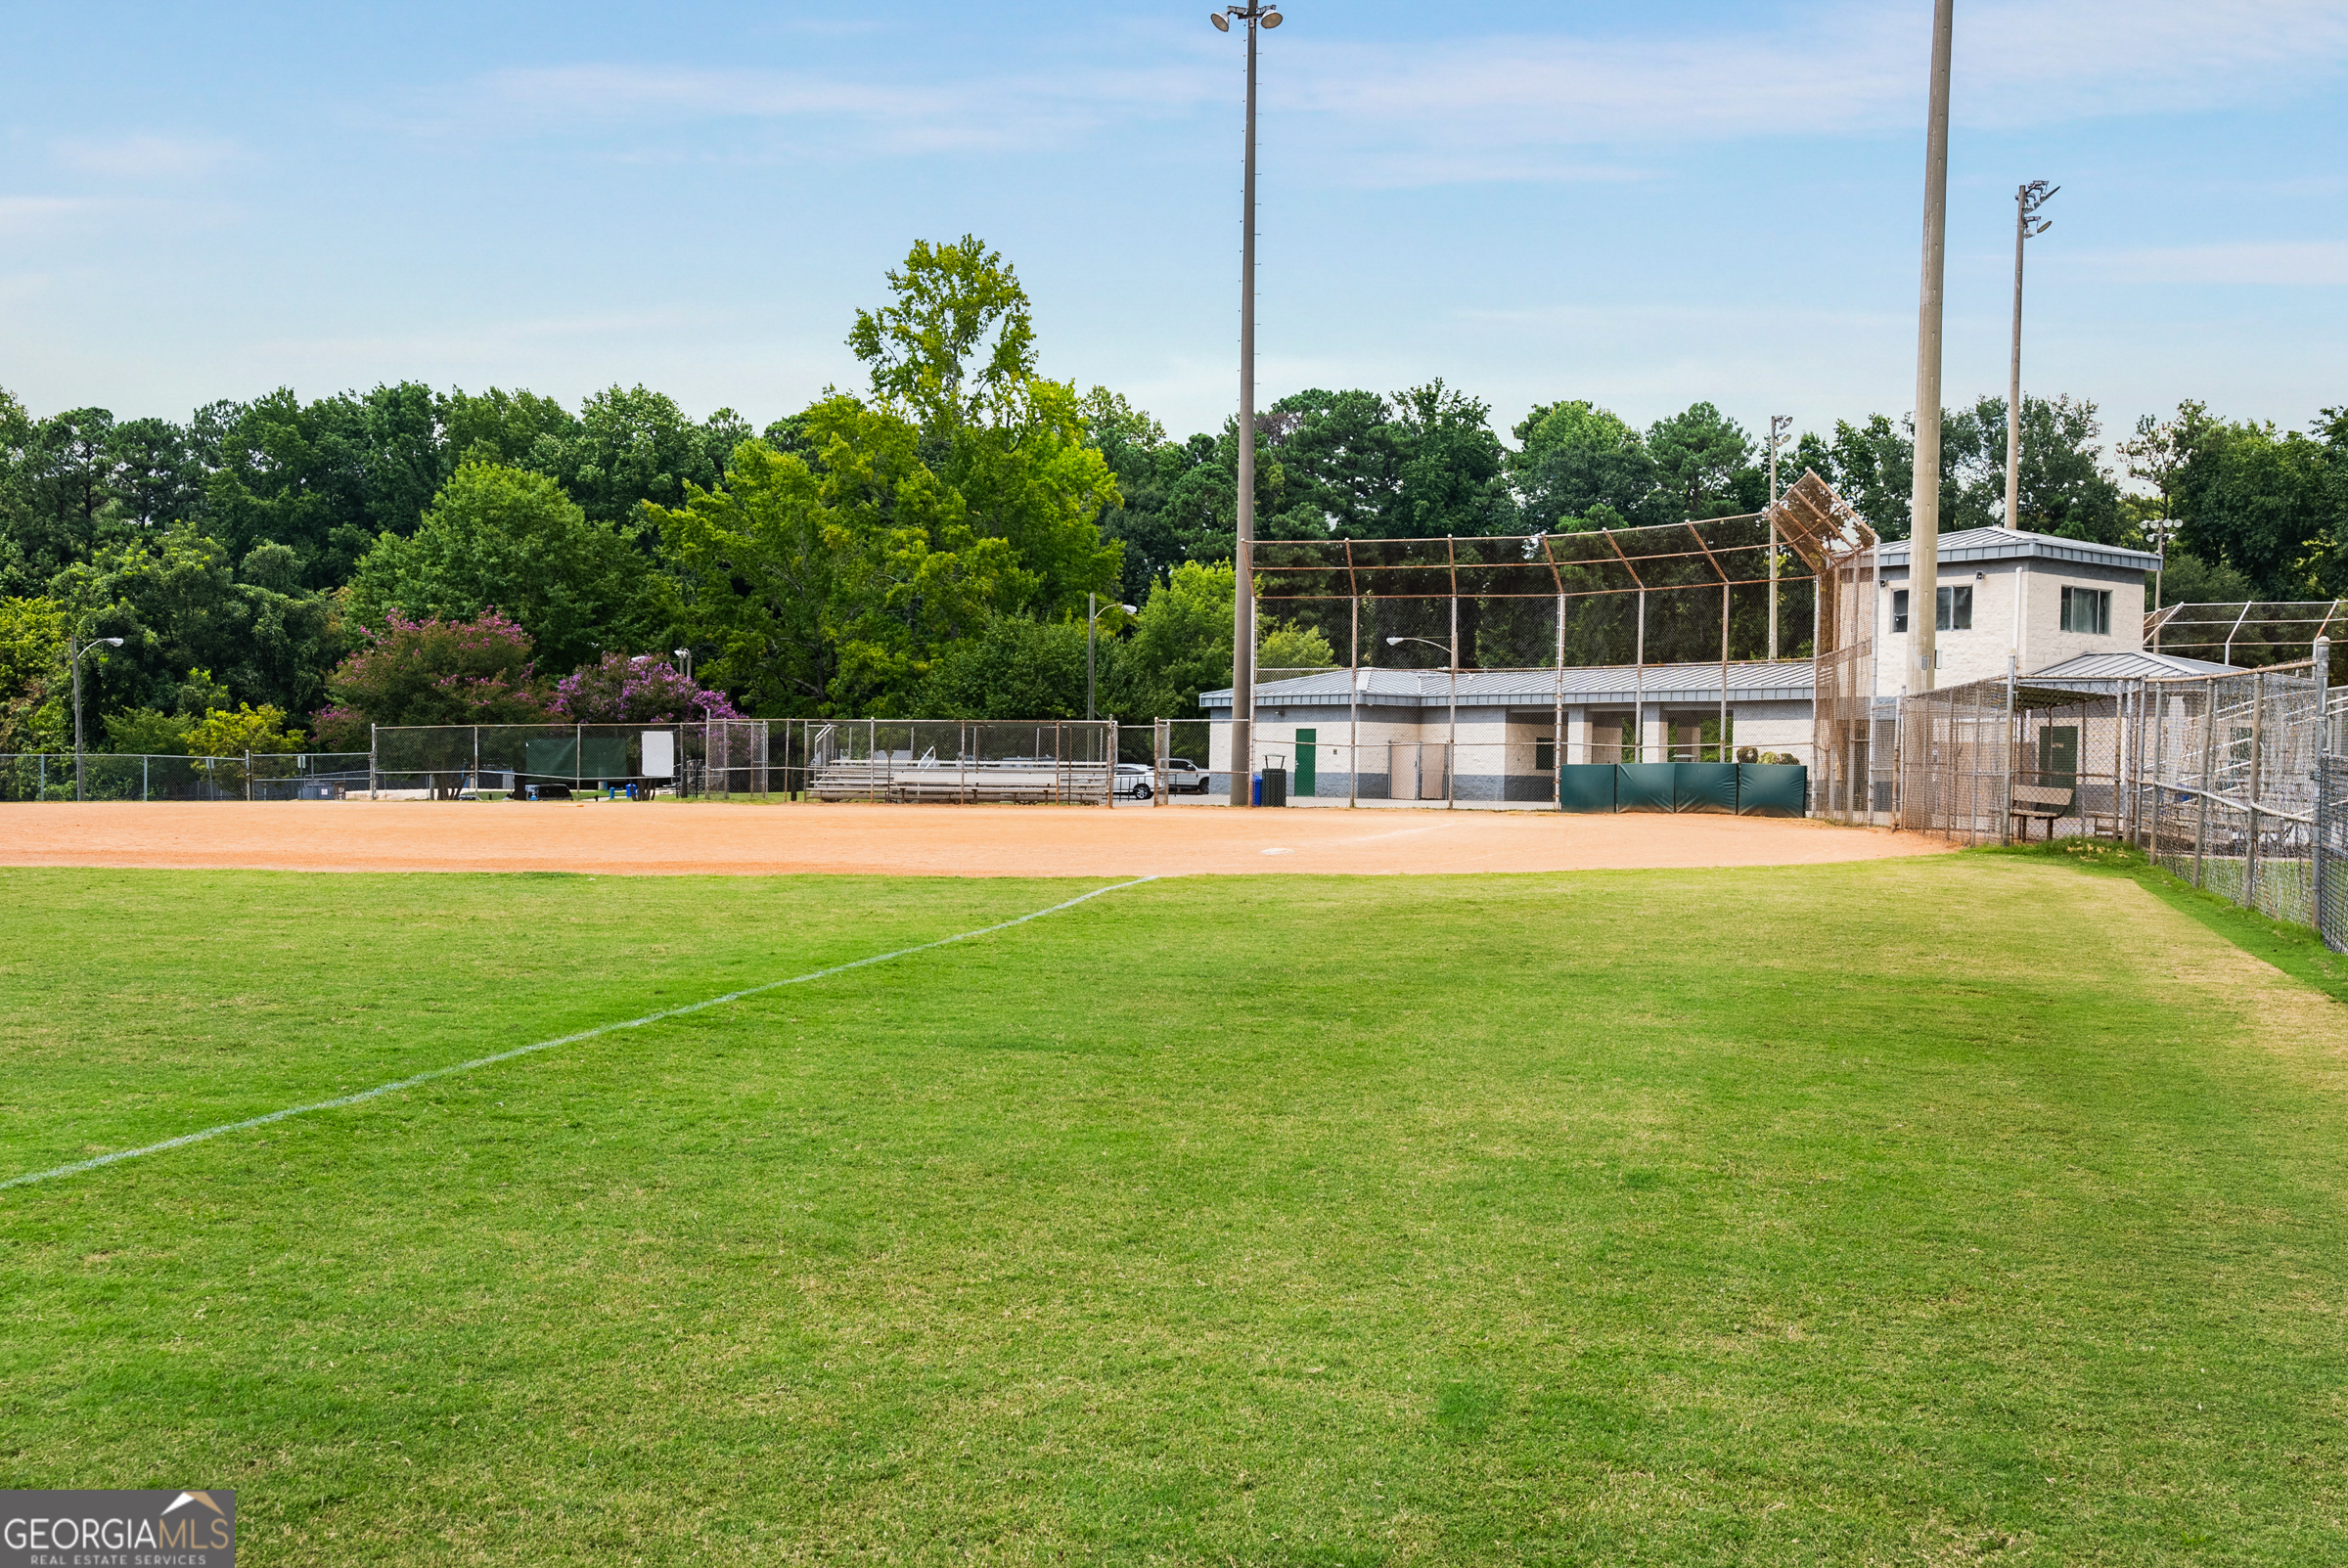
column 1092, row 631
column 74, row 650
column 1242, row 609
column 2027, row 199
column 683, row 661
column 1781, row 430
column 1451, row 747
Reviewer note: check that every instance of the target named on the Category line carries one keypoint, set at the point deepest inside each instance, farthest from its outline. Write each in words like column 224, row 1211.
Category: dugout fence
column 2234, row 782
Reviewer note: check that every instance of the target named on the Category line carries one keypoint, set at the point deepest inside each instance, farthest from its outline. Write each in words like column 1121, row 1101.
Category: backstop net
column 1792, row 583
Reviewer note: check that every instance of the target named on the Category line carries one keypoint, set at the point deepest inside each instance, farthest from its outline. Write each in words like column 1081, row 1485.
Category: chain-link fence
column 2230, row 797
column 719, row 759
column 142, row 776
column 951, row 761
column 2234, row 782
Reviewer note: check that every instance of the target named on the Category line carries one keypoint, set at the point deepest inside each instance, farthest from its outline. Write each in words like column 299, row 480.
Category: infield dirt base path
column 669, row 838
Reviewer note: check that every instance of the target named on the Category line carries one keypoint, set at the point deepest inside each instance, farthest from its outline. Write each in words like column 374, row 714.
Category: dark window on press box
column 2087, row 610
column 1955, row 604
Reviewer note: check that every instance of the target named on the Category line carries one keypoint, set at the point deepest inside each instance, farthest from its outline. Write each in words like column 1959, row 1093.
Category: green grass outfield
column 1911, row 1211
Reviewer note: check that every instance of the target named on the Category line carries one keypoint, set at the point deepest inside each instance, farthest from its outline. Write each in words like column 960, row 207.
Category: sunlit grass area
column 1906, row 1211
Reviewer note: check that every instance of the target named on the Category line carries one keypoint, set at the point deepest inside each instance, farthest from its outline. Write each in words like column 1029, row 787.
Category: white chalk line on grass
column 337, row 1103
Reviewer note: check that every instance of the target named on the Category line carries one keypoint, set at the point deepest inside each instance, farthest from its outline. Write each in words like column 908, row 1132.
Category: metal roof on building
column 2017, row 543
column 2127, row 667
column 1784, row 680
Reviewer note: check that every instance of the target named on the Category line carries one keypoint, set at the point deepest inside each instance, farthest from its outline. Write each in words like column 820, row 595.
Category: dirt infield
column 668, row 839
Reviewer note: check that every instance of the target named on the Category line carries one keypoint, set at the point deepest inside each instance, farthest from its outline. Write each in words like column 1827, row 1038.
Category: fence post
column 144, row 762
column 371, row 769
column 2209, row 756
column 2258, row 710
column 2319, row 872
column 2013, row 758
column 2160, row 772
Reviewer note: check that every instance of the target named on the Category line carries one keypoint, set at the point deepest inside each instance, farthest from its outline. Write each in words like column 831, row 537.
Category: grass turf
column 1896, row 1212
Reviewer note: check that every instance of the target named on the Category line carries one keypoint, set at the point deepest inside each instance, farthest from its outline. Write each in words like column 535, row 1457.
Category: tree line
column 286, row 572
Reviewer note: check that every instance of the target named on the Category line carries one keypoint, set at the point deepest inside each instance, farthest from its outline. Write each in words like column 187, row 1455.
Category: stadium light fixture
column 1243, row 608
column 2027, row 225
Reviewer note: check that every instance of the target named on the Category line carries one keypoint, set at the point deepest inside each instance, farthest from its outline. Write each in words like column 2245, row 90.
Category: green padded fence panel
column 1771, row 789
column 1586, row 787
column 1704, row 786
column 605, row 757
column 598, row 757
column 1644, row 785
column 551, row 758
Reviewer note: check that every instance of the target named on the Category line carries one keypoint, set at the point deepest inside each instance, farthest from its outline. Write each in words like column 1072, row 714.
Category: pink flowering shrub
column 635, row 690
column 432, row 672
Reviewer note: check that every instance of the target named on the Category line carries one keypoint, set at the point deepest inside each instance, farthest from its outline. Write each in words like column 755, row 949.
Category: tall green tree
column 952, row 355
column 828, row 585
column 195, row 623
column 509, row 540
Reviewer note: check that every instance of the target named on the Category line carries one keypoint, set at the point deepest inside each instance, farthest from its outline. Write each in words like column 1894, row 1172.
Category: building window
column 1953, row 609
column 2087, row 610
column 1545, row 754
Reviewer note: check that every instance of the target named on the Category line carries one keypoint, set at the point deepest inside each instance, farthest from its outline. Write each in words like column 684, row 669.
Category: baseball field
column 1887, row 1208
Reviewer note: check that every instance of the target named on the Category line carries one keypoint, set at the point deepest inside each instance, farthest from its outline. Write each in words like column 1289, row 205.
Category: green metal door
column 1304, row 761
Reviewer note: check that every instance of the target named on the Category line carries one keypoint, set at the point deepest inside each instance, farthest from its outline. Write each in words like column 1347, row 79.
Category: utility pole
column 1242, row 608
column 1781, row 430
column 2027, row 199
column 1923, row 543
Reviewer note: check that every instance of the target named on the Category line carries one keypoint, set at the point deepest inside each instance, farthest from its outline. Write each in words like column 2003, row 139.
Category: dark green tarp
column 1704, row 786
column 598, row 757
column 1644, row 785
column 1586, row 787
column 1771, row 789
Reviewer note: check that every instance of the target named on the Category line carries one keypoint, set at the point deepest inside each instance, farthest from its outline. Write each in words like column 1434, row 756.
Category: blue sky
column 1643, row 206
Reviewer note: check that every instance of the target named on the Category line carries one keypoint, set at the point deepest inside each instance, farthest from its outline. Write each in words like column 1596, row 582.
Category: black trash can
column 1276, row 787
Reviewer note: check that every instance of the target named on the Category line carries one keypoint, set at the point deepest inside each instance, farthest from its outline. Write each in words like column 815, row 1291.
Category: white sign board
column 659, row 753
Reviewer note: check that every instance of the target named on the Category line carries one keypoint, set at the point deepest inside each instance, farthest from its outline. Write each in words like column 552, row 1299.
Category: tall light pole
column 1923, row 543
column 2027, row 199
column 74, row 650
column 1781, row 430
column 1451, row 747
column 1243, row 611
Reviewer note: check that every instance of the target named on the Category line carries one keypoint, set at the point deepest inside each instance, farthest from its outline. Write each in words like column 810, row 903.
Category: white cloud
column 1519, row 107
column 146, row 158
column 1471, row 110
column 26, row 216
column 2300, row 263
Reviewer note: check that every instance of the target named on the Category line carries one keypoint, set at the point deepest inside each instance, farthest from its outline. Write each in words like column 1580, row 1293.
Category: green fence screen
column 1704, row 786
column 1771, row 789
column 1586, row 787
